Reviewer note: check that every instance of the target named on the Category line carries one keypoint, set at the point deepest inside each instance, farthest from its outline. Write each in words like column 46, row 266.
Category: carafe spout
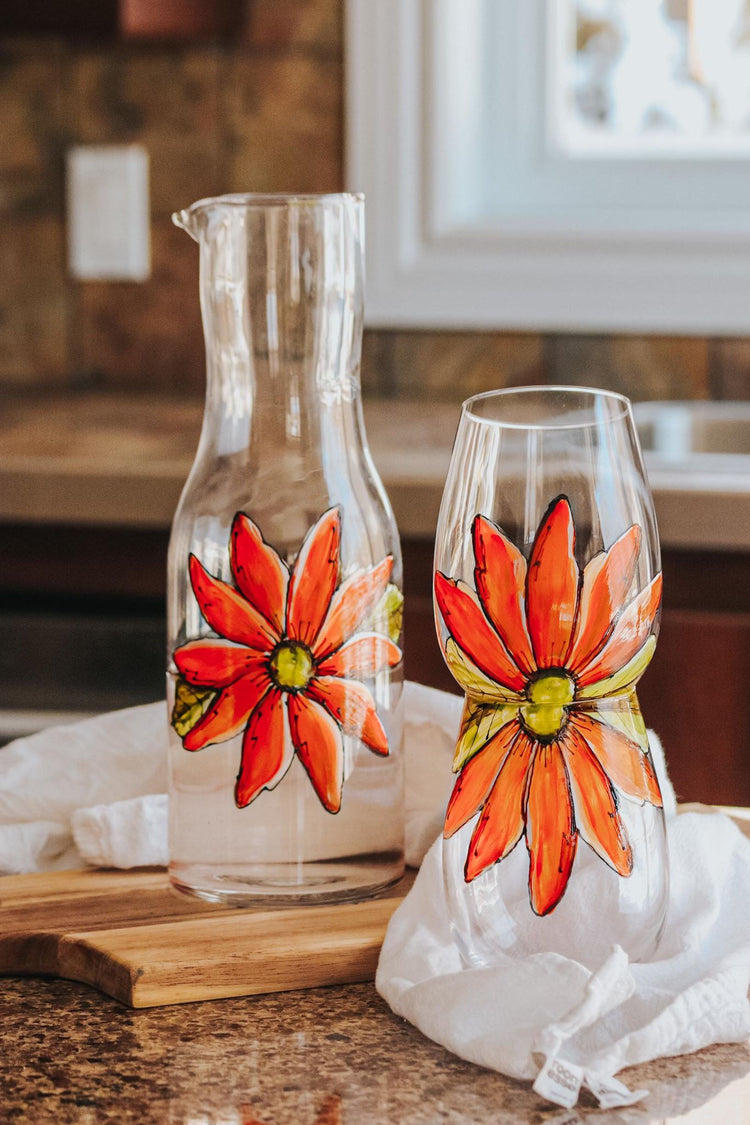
column 185, row 219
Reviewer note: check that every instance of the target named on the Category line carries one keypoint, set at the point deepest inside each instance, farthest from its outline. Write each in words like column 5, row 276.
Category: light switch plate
column 108, row 213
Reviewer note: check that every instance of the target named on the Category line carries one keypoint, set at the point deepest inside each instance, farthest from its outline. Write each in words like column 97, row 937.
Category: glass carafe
column 284, row 605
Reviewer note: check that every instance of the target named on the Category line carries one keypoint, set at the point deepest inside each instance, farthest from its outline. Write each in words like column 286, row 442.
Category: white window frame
column 629, row 260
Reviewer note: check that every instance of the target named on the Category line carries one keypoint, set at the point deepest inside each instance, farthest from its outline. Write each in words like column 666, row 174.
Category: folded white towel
column 46, row 777
column 42, row 845
column 126, row 834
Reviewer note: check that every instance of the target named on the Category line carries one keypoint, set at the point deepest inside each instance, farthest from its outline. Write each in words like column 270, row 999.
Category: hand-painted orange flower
column 539, row 650
column 284, row 658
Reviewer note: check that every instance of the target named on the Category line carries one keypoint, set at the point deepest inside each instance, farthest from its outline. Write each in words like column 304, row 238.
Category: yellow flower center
column 291, row 666
column 548, row 694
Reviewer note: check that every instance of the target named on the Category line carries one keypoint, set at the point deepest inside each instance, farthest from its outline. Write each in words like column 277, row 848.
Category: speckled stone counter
column 334, row 1056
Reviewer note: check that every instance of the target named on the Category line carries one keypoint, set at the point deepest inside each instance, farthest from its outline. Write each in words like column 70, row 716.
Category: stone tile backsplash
column 637, row 366
column 265, row 114
column 284, row 121
column 170, row 101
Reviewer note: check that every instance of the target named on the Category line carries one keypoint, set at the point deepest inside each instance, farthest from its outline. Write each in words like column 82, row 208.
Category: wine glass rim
column 596, row 393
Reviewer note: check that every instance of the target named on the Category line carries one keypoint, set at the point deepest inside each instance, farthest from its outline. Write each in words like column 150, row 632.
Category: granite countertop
column 329, row 1056
column 104, row 459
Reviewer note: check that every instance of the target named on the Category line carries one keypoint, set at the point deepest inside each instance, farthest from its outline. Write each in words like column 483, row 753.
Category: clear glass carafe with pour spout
column 284, row 603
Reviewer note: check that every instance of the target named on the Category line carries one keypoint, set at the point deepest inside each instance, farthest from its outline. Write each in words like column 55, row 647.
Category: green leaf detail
column 389, row 612
column 624, row 679
column 474, row 682
column 190, row 705
column 480, row 722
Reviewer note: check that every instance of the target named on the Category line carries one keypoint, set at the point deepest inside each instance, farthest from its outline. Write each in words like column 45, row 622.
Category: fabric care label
column 610, row 1093
column 559, row 1082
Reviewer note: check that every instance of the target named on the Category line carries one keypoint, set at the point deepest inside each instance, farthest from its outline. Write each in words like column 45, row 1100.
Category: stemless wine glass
column 547, row 597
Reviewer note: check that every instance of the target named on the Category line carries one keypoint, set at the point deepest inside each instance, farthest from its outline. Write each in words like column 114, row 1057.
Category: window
column 553, row 164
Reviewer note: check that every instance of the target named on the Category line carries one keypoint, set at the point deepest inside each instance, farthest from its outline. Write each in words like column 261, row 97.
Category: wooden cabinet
column 108, row 20
column 695, row 694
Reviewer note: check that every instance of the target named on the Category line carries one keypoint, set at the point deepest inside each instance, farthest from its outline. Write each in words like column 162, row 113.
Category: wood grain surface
column 132, row 936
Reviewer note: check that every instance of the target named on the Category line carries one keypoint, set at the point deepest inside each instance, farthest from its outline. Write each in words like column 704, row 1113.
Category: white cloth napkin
column 46, row 778
column 549, row 1019
column 93, row 791
column 126, row 834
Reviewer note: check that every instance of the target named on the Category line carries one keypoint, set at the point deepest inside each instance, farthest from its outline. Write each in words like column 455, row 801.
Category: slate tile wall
column 264, row 114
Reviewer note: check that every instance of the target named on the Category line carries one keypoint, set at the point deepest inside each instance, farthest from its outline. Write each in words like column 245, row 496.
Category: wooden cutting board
column 129, row 934
column 132, row 936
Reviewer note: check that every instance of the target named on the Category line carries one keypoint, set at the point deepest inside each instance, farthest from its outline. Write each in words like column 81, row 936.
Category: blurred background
column 254, row 102
column 249, row 95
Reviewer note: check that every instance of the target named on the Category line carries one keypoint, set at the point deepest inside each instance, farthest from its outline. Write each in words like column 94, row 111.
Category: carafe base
column 289, row 884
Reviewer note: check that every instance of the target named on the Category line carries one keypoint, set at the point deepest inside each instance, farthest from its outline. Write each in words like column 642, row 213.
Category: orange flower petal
column 314, row 579
column 606, row 581
column 501, row 823
column 361, row 657
column 260, row 574
column 597, row 818
column 266, row 749
column 471, row 631
column 629, row 633
column 552, row 586
column 227, row 612
column 623, row 761
column 551, row 837
column 228, row 714
column 213, row 663
column 352, row 706
column 319, row 744
column 477, row 778
column 351, row 603
column 500, row 576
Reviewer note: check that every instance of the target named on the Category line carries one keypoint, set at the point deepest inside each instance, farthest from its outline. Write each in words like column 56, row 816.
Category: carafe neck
column 281, row 288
